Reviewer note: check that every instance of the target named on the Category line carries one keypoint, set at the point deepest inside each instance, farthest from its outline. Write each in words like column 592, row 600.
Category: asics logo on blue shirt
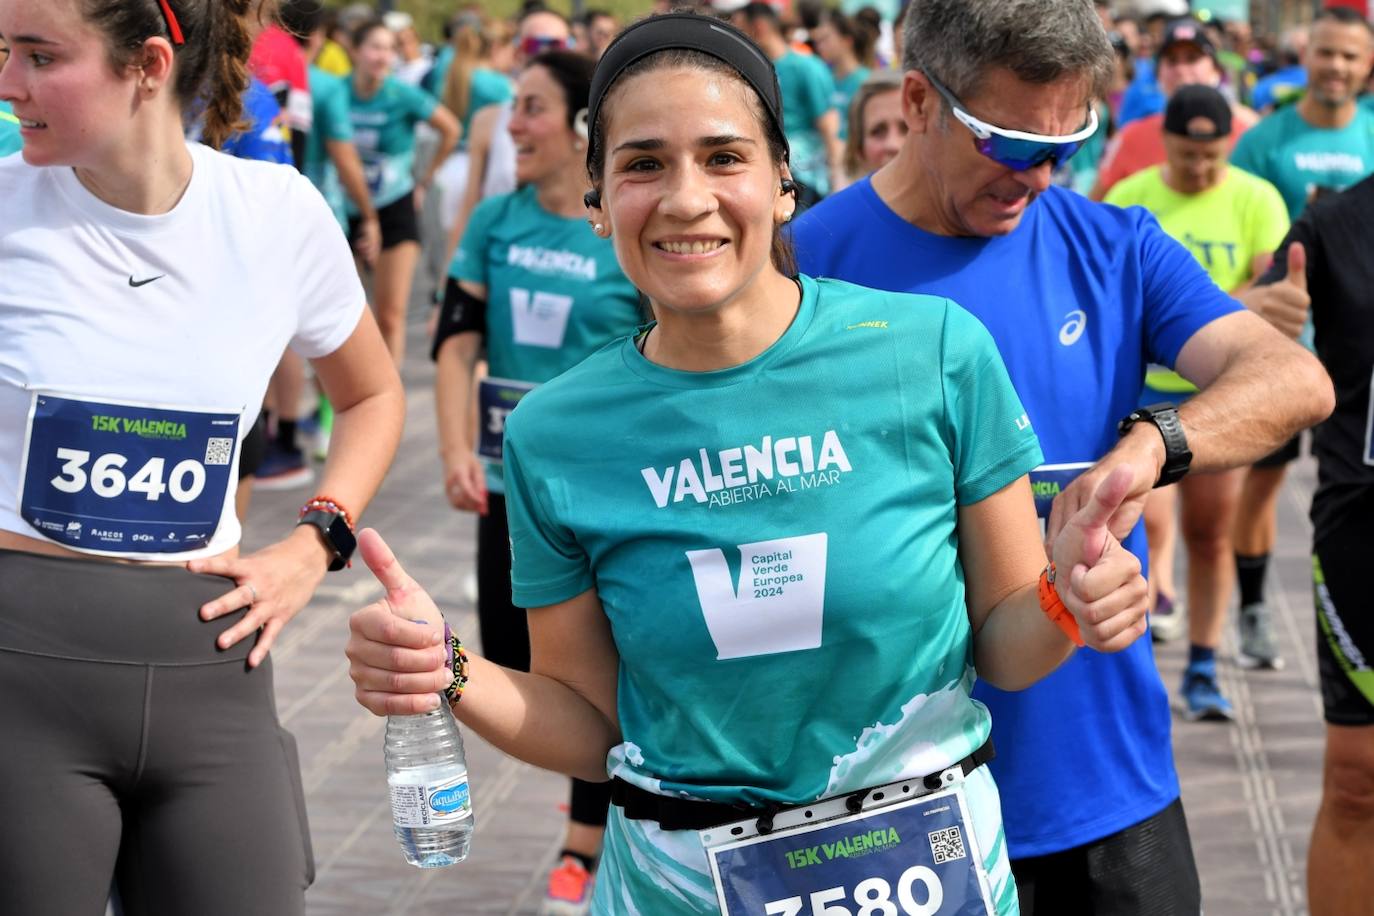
column 137, row 283
column 1073, row 328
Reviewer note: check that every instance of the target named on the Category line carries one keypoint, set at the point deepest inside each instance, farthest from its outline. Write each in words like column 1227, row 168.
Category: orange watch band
column 1054, row 608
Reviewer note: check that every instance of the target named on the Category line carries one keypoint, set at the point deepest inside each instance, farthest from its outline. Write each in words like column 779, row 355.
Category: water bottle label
column 437, row 805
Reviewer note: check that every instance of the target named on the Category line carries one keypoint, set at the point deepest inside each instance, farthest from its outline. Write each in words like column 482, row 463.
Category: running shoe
column 1168, row 619
column 283, row 469
column 1202, row 699
column 1258, row 646
column 570, row 890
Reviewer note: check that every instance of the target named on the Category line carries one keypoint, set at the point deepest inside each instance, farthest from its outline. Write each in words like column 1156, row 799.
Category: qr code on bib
column 947, row 845
column 218, row 452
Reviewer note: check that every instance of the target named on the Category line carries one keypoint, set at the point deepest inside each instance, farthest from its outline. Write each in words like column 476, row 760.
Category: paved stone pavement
column 1250, row 788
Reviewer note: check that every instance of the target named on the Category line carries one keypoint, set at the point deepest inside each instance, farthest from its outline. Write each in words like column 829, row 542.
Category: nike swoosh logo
column 137, row 283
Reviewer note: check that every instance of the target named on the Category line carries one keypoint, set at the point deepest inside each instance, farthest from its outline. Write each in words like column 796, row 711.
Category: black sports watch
column 338, row 537
column 1177, row 457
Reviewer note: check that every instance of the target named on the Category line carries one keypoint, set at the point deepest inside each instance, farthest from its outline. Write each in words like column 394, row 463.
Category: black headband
column 686, row 31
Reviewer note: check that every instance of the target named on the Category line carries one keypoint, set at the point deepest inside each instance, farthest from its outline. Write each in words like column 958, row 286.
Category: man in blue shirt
column 1079, row 298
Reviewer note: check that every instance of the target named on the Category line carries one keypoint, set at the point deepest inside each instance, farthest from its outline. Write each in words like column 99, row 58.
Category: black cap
column 691, row 32
column 1198, row 113
column 1186, row 31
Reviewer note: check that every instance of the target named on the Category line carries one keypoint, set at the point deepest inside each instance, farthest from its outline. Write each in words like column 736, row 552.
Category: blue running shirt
column 775, row 546
column 555, row 292
column 1080, row 297
column 266, row 138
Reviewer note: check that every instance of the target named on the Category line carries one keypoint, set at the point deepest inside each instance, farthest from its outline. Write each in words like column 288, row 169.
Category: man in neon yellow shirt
column 1232, row 222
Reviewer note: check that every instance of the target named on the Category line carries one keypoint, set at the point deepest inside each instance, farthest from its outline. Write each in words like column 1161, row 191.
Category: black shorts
column 1287, row 453
column 398, row 220
column 1345, row 625
column 1145, row 869
column 253, row 448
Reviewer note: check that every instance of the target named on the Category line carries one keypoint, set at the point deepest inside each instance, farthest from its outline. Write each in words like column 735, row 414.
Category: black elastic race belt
column 690, row 814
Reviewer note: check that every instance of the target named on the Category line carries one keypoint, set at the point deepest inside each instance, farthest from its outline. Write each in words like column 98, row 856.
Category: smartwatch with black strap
column 1177, row 457
column 338, row 536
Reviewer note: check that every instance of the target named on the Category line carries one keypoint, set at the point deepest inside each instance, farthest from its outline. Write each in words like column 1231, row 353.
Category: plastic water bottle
column 427, row 777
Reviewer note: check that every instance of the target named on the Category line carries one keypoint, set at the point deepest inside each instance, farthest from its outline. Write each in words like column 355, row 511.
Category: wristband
column 328, row 504
column 457, row 662
column 1054, row 608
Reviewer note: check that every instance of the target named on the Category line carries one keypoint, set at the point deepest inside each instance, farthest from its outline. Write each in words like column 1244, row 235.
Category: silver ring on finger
column 253, row 593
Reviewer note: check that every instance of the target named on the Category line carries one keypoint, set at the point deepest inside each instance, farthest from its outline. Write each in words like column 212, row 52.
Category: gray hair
column 1038, row 40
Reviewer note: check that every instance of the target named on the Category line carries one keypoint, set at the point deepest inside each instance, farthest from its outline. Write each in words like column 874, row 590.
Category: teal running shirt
column 10, row 139
column 332, row 123
column 807, row 93
column 555, row 292
column 843, row 96
column 1297, row 158
column 384, row 132
column 776, row 548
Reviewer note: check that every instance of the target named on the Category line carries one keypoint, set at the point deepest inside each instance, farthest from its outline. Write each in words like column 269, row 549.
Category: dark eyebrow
column 706, row 142
column 28, row 40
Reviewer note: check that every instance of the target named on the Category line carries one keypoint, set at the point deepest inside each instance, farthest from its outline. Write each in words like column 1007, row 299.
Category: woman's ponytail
column 226, row 78
column 211, row 61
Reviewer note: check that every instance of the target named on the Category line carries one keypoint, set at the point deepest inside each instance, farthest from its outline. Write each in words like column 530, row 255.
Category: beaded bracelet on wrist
column 458, row 663
column 325, row 502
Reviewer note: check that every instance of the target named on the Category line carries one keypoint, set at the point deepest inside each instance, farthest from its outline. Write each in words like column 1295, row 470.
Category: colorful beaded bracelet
column 457, row 661
column 325, row 502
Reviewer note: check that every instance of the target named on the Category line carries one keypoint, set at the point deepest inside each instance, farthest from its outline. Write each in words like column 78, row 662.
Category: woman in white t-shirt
column 149, row 288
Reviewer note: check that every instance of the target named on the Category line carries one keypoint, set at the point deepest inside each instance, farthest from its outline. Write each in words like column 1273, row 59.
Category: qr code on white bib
column 218, row 452
column 947, row 845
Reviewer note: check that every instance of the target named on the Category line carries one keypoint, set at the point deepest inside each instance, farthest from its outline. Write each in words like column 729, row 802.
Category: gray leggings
column 133, row 749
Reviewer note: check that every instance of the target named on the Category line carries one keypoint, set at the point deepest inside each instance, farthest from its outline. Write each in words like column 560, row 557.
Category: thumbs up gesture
column 1098, row 580
column 396, row 655
column 1284, row 304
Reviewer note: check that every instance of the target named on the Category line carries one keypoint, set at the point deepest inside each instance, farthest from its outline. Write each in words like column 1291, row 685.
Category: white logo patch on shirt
column 779, row 605
column 1073, row 327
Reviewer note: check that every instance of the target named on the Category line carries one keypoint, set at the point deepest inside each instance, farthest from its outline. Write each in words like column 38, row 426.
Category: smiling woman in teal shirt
column 764, row 543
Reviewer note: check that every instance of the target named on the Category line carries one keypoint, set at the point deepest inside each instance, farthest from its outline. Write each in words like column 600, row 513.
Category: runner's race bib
column 497, row 398
column 124, row 478
column 902, row 857
column 1048, row 481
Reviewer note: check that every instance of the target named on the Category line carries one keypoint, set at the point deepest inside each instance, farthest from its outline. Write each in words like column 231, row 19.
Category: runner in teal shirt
column 810, row 121
column 533, row 286
column 384, row 112
column 1298, row 158
column 384, row 132
column 554, row 291
column 764, row 542
column 332, row 123
column 808, row 93
column 10, row 139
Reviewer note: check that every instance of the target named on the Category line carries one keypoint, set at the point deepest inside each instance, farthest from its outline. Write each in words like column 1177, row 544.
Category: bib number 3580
column 918, row 893
column 107, row 476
